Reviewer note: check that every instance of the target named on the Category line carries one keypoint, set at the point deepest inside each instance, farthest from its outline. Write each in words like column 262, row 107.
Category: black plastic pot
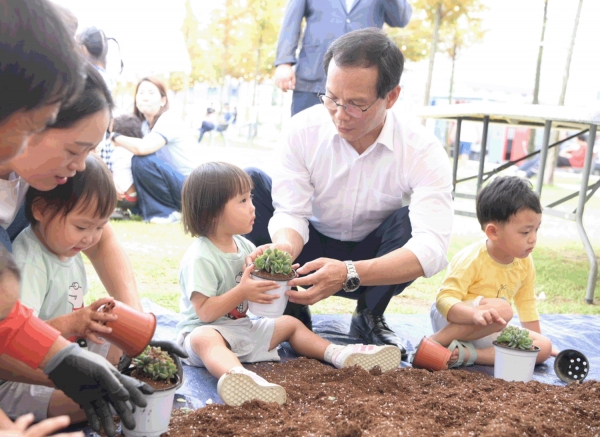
column 571, row 366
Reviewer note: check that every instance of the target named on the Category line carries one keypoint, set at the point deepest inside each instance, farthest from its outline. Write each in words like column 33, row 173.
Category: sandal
column 460, row 361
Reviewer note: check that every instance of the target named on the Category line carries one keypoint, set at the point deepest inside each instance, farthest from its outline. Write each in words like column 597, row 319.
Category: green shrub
column 155, row 363
column 515, row 338
column 274, row 261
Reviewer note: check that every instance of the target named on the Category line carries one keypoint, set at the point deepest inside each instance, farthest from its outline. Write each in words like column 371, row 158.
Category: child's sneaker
column 240, row 385
column 368, row 356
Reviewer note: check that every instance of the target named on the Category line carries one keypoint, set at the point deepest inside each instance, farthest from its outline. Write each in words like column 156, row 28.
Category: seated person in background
column 570, row 156
column 64, row 222
column 209, row 123
column 163, row 157
column 474, row 302
column 130, row 126
column 216, row 286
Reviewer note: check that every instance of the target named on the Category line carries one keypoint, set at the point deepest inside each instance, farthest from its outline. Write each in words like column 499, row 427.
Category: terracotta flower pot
column 431, row 356
column 132, row 331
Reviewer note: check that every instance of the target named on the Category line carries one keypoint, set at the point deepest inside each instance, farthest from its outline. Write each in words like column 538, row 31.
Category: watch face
column 352, row 284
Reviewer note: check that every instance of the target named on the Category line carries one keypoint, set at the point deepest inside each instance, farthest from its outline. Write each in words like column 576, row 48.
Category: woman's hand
column 21, row 427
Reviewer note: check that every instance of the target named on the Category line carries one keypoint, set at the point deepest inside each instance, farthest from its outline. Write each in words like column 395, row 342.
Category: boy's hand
column 487, row 317
column 254, row 291
column 88, row 321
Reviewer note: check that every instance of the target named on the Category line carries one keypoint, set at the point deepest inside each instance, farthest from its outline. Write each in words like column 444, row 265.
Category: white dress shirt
column 322, row 179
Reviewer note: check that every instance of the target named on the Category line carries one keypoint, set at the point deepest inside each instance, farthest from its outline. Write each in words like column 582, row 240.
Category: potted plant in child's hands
column 163, row 372
column 515, row 355
column 273, row 265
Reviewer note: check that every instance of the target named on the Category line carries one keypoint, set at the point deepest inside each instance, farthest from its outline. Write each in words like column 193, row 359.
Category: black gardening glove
column 94, row 383
column 172, row 348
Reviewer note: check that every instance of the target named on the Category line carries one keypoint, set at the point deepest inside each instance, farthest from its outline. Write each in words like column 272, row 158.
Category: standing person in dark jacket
column 326, row 20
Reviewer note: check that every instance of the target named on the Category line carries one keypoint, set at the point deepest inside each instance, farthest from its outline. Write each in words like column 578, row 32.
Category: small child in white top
column 64, row 222
column 215, row 331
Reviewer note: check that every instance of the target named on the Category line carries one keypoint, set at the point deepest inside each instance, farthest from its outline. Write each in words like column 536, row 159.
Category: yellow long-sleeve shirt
column 474, row 273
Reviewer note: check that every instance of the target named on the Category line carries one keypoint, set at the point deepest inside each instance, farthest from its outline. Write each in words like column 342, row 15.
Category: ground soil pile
column 322, row 401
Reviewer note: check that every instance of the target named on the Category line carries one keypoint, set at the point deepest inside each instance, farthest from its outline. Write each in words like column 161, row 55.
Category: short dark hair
column 94, row 97
column 366, row 48
column 94, row 184
column 128, row 125
column 206, row 191
column 8, row 264
column 94, row 40
column 583, row 137
column 39, row 63
column 504, row 197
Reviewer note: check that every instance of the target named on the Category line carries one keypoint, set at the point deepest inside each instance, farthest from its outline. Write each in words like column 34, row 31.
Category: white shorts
column 248, row 339
column 439, row 322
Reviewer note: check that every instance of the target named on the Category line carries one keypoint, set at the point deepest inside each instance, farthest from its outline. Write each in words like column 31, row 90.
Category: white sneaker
column 174, row 217
column 368, row 356
column 240, row 385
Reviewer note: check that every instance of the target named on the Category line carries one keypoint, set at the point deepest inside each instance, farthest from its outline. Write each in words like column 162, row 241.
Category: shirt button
column 348, row 20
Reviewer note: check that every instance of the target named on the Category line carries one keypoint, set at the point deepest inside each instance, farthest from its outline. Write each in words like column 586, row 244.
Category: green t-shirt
column 207, row 270
column 49, row 286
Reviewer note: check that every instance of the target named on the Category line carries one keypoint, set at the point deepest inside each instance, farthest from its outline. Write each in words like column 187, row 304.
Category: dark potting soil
column 322, row 401
column 157, row 384
column 274, row 276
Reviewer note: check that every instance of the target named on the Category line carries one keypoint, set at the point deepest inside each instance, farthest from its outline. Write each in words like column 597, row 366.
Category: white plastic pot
column 276, row 307
column 514, row 364
column 153, row 421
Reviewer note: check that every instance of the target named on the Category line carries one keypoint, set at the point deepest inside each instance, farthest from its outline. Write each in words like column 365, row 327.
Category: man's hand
column 22, row 427
column 285, row 78
column 485, row 317
column 94, row 383
column 327, row 278
column 87, row 322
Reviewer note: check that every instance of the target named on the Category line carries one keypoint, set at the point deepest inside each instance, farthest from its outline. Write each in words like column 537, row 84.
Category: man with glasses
column 325, row 21
column 338, row 202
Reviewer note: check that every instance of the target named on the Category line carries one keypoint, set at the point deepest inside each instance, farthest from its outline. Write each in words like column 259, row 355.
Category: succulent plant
column 155, row 363
column 274, row 261
column 515, row 338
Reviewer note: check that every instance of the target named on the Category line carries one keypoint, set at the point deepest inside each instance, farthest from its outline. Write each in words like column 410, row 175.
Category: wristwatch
column 352, row 280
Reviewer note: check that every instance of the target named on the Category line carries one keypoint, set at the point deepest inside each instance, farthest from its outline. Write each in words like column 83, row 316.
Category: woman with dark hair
column 94, row 44
column 34, row 87
column 52, row 155
column 163, row 158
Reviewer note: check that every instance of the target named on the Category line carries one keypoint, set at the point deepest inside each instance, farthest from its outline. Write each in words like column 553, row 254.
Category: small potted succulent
column 515, row 355
column 164, row 373
column 273, row 265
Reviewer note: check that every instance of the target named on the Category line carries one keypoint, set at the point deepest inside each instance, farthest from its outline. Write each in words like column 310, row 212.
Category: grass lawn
column 155, row 252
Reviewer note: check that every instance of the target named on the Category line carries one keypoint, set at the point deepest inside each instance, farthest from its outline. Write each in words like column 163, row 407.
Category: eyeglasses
column 351, row 110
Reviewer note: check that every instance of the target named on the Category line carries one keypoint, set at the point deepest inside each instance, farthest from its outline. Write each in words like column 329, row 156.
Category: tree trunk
column 563, row 92
column 536, row 88
column 434, row 43
column 451, row 90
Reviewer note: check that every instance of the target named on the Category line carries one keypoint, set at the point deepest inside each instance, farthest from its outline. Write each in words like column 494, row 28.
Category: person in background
column 94, row 44
column 572, row 155
column 209, row 123
column 162, row 158
column 325, row 22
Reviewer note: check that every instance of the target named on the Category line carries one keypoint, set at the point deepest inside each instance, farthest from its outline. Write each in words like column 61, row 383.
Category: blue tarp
column 578, row 332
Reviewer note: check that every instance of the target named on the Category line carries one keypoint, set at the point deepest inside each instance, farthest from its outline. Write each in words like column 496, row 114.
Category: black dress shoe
column 374, row 330
column 301, row 312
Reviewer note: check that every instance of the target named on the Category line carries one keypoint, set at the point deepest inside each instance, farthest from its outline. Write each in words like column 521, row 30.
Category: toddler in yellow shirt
column 474, row 302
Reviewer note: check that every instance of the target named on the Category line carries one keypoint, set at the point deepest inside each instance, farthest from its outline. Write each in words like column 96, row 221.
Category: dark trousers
column 392, row 234
column 8, row 235
column 158, row 186
column 302, row 100
column 207, row 126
